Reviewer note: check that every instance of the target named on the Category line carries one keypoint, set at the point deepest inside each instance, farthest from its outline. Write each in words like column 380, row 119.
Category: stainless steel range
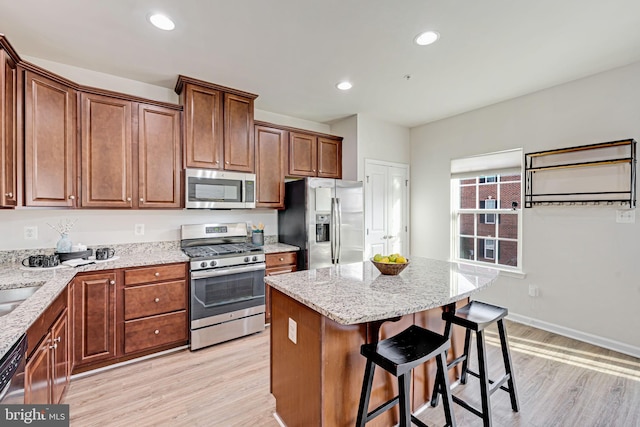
column 227, row 282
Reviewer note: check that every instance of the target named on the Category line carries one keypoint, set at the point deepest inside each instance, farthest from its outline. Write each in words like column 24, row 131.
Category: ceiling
column 293, row 52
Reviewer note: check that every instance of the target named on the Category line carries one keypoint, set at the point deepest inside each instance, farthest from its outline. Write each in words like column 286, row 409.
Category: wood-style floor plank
column 561, row 383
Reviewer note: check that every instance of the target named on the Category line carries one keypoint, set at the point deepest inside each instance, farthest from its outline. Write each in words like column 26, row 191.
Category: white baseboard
column 577, row 335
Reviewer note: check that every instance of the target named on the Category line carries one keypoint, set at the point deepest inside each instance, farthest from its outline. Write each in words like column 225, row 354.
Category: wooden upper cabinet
column 239, row 152
column 218, row 126
column 8, row 131
column 315, row 155
column 303, row 154
column 50, row 142
column 159, row 164
column 203, row 125
column 329, row 158
column 271, row 159
column 106, row 152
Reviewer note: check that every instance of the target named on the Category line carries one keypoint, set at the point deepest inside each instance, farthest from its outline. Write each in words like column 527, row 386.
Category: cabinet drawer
column 154, row 274
column 282, row 258
column 147, row 300
column 280, row 270
column 155, row 331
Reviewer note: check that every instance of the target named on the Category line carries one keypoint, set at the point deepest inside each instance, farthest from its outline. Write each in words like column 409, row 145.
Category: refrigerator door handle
column 338, row 230
column 332, row 231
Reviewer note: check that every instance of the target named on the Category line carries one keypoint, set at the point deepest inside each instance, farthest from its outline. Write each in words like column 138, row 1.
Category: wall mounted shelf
column 594, row 174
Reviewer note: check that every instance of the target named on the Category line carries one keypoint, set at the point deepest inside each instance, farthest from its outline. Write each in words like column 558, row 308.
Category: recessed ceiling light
column 426, row 38
column 162, row 21
column 344, row 85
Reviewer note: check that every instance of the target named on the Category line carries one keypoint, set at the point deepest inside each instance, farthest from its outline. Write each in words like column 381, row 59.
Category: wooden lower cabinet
column 94, row 320
column 277, row 263
column 126, row 313
column 48, row 366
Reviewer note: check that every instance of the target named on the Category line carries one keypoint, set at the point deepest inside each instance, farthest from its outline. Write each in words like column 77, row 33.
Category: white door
column 386, row 208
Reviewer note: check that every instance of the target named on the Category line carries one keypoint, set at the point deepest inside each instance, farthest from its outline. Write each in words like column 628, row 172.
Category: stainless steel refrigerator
column 325, row 218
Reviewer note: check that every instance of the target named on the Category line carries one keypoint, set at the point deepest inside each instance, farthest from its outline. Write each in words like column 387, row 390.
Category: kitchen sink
column 10, row 299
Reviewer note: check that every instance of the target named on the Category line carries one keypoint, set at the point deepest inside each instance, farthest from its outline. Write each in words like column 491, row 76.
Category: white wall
column 348, row 129
column 585, row 264
column 381, row 140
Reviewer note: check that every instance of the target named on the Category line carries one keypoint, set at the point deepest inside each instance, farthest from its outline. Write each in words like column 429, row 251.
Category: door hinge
column 367, row 179
column 367, row 231
column 406, row 182
column 405, row 229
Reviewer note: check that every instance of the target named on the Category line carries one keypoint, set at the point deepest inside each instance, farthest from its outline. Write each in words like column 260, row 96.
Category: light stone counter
column 357, row 293
column 274, row 248
column 53, row 282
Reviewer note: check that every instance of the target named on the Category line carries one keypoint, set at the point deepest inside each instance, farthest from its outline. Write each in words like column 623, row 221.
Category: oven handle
column 226, row 271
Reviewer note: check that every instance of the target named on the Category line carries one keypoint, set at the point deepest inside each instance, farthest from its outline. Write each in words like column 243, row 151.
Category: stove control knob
column 213, row 263
column 246, row 259
column 255, row 258
column 203, row 264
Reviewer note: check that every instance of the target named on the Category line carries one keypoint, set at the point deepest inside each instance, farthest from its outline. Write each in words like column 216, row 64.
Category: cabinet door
column 37, row 375
column 329, row 158
column 106, row 152
column 8, row 131
column 203, row 123
column 302, row 154
column 158, row 157
column 94, row 323
column 271, row 158
column 238, row 133
column 60, row 363
column 50, row 142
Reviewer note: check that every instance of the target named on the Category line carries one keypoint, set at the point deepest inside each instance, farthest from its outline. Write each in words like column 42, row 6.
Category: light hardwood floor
column 561, row 382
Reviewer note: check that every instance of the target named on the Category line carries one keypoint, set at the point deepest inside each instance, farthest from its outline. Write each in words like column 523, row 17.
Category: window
column 486, row 215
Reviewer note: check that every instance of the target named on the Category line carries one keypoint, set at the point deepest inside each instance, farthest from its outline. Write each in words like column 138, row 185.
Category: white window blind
column 498, row 163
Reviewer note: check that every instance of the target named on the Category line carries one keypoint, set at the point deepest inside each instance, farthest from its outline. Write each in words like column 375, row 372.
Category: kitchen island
column 321, row 317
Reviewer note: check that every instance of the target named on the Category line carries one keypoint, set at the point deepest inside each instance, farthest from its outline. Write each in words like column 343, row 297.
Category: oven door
column 225, row 290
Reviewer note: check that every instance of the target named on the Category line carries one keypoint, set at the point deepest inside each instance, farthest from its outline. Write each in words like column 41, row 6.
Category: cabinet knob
column 217, row 161
column 128, row 199
column 157, row 300
column 281, row 259
column 72, row 197
column 141, row 199
column 313, row 170
column 112, row 282
column 157, row 331
column 53, row 346
column 57, row 339
column 8, row 195
column 227, row 162
column 156, row 274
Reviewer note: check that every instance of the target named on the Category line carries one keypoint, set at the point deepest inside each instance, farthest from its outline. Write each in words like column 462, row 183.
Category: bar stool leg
column 506, row 356
column 465, row 362
column 404, row 383
column 437, row 386
column 484, row 379
column 365, row 395
column 445, row 386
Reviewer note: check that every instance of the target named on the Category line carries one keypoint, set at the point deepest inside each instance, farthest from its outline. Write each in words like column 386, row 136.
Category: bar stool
column 398, row 355
column 477, row 316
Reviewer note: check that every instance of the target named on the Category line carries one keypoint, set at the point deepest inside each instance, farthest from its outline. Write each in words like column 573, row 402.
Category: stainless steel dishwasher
column 12, row 373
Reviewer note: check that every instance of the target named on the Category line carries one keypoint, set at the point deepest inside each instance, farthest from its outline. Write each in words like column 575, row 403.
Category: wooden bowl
column 390, row 269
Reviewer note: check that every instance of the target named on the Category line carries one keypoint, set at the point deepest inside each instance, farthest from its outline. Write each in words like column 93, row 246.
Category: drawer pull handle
column 157, row 300
column 113, row 282
column 281, row 259
column 157, row 274
column 157, row 331
column 10, row 195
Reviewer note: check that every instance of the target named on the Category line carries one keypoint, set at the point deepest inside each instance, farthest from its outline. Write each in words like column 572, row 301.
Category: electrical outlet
column 139, row 229
column 31, row 232
column 534, row 291
column 626, row 216
column 293, row 331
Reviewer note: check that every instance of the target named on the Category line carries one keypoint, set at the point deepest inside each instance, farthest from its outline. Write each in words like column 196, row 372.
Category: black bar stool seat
column 476, row 316
column 398, row 355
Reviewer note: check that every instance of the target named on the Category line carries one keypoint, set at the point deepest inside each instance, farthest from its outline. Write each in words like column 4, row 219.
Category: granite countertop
column 53, row 282
column 274, row 248
column 359, row 293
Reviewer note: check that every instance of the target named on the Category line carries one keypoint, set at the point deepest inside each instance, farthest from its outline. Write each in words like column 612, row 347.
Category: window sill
column 518, row 274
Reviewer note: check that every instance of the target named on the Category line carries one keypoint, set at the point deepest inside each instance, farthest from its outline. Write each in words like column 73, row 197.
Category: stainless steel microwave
column 211, row 189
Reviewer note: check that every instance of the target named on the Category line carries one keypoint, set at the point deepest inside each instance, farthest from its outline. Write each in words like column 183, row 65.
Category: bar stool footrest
column 502, row 380
column 382, row 408
column 466, row 406
column 417, row 422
